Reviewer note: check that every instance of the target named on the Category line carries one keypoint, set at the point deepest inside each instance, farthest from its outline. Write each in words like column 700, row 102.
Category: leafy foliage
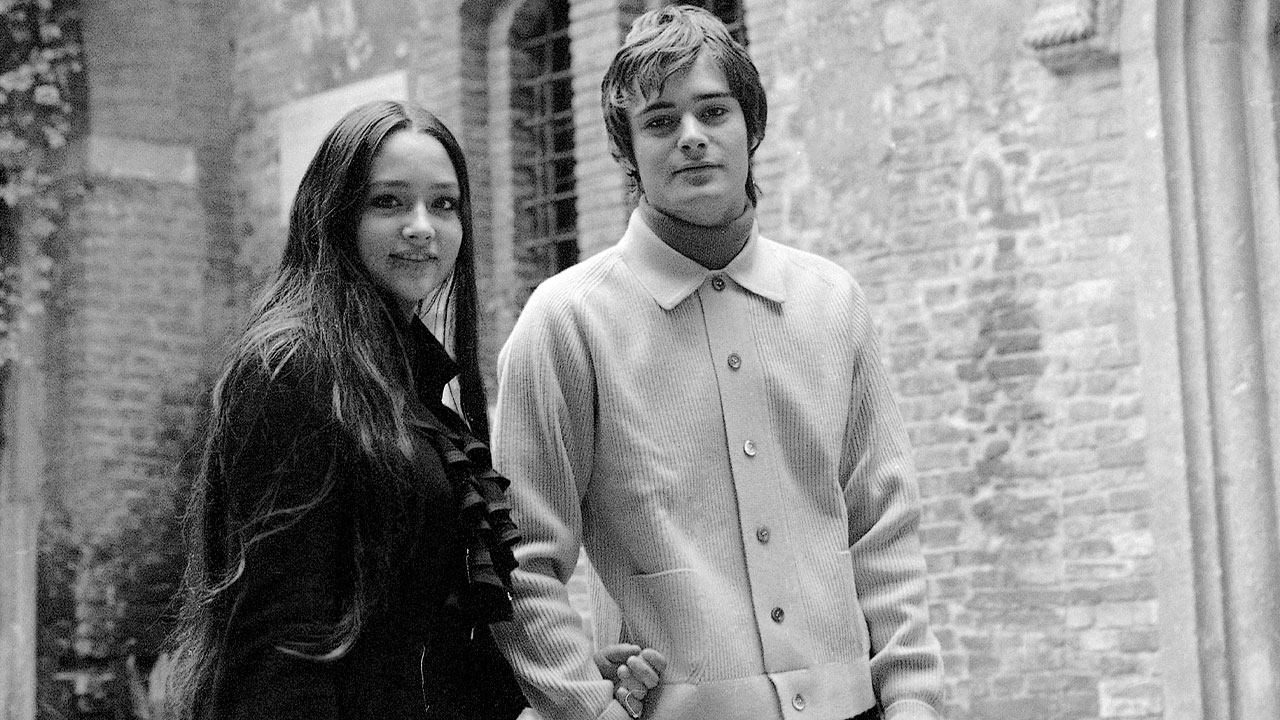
column 39, row 67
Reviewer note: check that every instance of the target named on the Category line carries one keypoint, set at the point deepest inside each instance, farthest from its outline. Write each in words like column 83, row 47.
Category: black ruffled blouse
column 424, row 651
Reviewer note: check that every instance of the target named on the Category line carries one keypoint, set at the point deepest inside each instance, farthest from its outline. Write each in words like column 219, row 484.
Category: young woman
column 349, row 541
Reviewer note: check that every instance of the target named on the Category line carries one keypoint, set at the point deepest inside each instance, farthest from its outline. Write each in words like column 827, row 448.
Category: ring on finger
column 629, row 703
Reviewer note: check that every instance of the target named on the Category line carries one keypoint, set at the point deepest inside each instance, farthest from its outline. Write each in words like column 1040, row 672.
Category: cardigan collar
column 670, row 277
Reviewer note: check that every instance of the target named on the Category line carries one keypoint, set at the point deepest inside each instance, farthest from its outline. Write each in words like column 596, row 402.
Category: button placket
column 770, row 571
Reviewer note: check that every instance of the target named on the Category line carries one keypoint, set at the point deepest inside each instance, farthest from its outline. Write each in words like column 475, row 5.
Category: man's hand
column 634, row 672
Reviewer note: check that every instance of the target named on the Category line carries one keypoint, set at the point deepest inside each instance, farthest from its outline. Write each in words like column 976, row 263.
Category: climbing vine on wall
column 39, row 66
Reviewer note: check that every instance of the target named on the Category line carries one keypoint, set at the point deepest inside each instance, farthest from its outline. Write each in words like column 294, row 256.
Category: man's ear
column 627, row 164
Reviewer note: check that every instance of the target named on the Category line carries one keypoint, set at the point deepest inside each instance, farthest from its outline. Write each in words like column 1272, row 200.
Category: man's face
column 691, row 147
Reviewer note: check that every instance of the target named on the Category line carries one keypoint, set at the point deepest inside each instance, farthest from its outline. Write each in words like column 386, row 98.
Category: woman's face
column 410, row 228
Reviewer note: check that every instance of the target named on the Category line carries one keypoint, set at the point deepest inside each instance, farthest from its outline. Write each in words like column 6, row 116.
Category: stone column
column 21, row 477
column 1204, row 134
column 1229, row 144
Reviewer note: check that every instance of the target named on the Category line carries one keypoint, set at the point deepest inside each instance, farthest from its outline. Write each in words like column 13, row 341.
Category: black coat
column 416, row 655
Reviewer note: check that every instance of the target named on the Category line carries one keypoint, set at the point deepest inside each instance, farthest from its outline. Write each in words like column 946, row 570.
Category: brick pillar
column 127, row 335
column 501, row 190
column 602, row 207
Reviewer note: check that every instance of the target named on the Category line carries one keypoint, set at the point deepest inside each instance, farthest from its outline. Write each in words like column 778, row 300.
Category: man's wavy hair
column 663, row 43
column 327, row 319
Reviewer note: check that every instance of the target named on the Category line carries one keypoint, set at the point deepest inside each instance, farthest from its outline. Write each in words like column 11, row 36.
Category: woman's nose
column 419, row 226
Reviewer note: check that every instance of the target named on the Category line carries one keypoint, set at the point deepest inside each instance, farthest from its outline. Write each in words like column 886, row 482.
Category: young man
column 706, row 412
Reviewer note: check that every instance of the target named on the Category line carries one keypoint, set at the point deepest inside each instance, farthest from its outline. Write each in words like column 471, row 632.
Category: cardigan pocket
column 664, row 611
column 857, row 619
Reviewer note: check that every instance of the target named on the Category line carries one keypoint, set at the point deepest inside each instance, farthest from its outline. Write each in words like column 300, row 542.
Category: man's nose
column 693, row 138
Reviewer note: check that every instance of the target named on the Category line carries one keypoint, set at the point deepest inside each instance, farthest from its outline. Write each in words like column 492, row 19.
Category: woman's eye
column 384, row 201
column 446, row 204
column 715, row 112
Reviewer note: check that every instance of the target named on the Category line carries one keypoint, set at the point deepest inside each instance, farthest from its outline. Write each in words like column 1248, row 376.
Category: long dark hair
column 325, row 314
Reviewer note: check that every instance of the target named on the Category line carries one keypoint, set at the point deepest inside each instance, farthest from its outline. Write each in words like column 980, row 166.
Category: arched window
column 546, row 233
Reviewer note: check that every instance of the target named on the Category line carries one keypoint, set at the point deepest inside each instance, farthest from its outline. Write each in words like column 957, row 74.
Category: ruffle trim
column 485, row 518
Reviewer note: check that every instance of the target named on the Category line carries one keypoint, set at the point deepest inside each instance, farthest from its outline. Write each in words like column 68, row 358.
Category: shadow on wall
column 106, row 600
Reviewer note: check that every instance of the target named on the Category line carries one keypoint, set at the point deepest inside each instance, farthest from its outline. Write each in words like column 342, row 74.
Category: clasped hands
column 634, row 672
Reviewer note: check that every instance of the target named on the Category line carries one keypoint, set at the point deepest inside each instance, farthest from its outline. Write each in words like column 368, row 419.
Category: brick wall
column 982, row 203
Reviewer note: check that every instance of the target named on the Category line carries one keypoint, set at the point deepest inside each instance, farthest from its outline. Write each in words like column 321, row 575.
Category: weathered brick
column 1125, row 614
column 1089, row 549
column 1129, row 697
column 1142, row 640
column 1127, row 455
column 934, row 536
column 1016, row 367
column 1036, row 708
column 1124, row 500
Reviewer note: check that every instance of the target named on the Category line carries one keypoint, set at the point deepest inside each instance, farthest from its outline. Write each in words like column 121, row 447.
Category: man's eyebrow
column 661, row 104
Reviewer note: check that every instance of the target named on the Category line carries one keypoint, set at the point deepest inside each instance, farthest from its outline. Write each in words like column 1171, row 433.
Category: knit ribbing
column 737, row 469
column 720, row 241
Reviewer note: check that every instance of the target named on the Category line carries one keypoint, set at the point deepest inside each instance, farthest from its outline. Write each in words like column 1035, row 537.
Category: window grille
column 542, row 98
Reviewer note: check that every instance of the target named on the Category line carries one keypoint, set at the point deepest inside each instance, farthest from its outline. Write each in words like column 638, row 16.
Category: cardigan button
column 762, row 534
column 735, row 361
column 778, row 614
column 717, row 282
column 749, row 447
column 797, row 702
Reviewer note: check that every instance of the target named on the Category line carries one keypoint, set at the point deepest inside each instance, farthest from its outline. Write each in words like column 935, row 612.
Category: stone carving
column 1068, row 35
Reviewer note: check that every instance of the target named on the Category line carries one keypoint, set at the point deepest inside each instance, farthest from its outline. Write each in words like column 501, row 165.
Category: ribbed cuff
column 911, row 710
column 615, row 711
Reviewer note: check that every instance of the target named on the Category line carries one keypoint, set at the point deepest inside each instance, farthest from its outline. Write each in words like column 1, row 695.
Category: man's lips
column 696, row 167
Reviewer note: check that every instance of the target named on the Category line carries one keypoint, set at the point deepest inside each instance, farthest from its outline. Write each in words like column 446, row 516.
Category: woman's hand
column 634, row 672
